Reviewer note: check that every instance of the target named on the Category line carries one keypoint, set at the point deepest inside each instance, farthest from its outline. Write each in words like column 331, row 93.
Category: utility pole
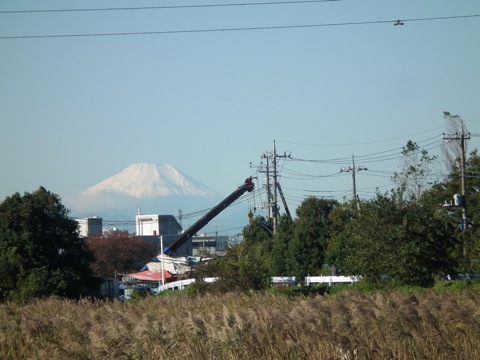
column 353, row 169
column 274, row 203
column 275, row 207
column 163, row 264
column 269, row 194
column 463, row 202
column 180, row 216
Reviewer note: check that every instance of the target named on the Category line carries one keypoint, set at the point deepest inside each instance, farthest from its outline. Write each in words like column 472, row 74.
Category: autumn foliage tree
column 117, row 251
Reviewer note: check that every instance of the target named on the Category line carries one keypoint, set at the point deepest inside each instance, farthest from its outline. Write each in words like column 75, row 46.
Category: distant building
column 90, row 226
column 156, row 225
column 157, row 228
column 209, row 244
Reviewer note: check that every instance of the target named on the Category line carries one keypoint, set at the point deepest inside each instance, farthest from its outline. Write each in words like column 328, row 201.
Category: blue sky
column 76, row 110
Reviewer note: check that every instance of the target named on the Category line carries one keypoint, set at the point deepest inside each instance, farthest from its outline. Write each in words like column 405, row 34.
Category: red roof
column 151, row 275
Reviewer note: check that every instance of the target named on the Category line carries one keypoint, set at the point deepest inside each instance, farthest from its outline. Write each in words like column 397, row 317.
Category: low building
column 156, row 225
column 209, row 245
column 161, row 230
column 90, row 226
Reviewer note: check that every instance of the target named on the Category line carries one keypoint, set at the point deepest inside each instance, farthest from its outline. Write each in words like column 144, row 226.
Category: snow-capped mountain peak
column 145, row 180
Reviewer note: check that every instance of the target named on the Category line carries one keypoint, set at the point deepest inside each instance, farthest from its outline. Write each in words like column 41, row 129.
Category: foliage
column 404, row 244
column 139, row 294
column 472, row 169
column 393, row 239
column 244, row 267
column 301, row 290
column 456, row 286
column 41, row 253
column 280, row 257
column 309, row 245
column 442, row 194
column 258, row 230
column 339, row 218
column 402, row 238
column 119, row 252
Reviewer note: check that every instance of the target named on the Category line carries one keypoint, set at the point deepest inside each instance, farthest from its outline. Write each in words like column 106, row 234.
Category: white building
column 156, row 225
column 165, row 228
column 90, row 226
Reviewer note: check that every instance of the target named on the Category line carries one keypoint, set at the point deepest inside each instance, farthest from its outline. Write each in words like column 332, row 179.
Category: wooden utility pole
column 353, row 169
column 464, row 186
column 275, row 205
column 275, row 212
column 460, row 138
column 269, row 194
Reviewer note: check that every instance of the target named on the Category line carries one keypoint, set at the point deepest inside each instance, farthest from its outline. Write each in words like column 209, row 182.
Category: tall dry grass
column 247, row 326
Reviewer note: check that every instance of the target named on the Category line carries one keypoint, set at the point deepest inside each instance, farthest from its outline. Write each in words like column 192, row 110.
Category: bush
column 301, row 290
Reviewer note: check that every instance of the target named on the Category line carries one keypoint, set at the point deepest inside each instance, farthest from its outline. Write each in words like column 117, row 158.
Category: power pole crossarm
column 354, row 169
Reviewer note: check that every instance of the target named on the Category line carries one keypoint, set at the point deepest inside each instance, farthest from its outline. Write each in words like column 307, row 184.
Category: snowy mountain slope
column 149, row 181
column 146, row 188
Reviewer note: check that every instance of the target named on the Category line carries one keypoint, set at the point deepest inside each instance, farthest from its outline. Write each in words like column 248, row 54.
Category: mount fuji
column 149, row 181
column 143, row 188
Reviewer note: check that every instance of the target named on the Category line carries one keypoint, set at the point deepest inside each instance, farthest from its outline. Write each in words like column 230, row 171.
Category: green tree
column 41, row 253
column 339, row 218
column 443, row 194
column 244, row 267
column 453, row 186
column 258, row 230
column 472, row 170
column 280, row 257
column 400, row 241
column 308, row 248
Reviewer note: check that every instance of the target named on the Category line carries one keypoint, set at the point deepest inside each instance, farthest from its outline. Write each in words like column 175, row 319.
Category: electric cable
column 166, row 7
column 255, row 28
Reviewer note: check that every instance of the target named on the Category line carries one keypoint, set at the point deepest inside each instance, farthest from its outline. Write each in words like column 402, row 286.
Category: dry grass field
column 349, row 325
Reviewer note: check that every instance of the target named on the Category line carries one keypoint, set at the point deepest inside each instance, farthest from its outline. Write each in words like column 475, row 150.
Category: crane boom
column 192, row 230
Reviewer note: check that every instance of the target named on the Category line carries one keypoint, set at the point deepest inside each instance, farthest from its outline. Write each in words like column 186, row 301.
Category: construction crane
column 192, row 230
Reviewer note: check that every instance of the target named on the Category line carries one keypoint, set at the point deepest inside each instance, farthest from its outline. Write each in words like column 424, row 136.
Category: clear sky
column 75, row 110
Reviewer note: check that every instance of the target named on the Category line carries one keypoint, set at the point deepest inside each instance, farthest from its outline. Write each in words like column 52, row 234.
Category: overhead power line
column 165, row 7
column 391, row 154
column 281, row 27
column 364, row 143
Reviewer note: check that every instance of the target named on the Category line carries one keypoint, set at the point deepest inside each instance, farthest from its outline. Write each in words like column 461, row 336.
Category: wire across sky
column 254, row 28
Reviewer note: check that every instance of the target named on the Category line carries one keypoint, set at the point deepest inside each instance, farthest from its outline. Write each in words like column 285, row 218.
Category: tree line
column 405, row 236
column 410, row 235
